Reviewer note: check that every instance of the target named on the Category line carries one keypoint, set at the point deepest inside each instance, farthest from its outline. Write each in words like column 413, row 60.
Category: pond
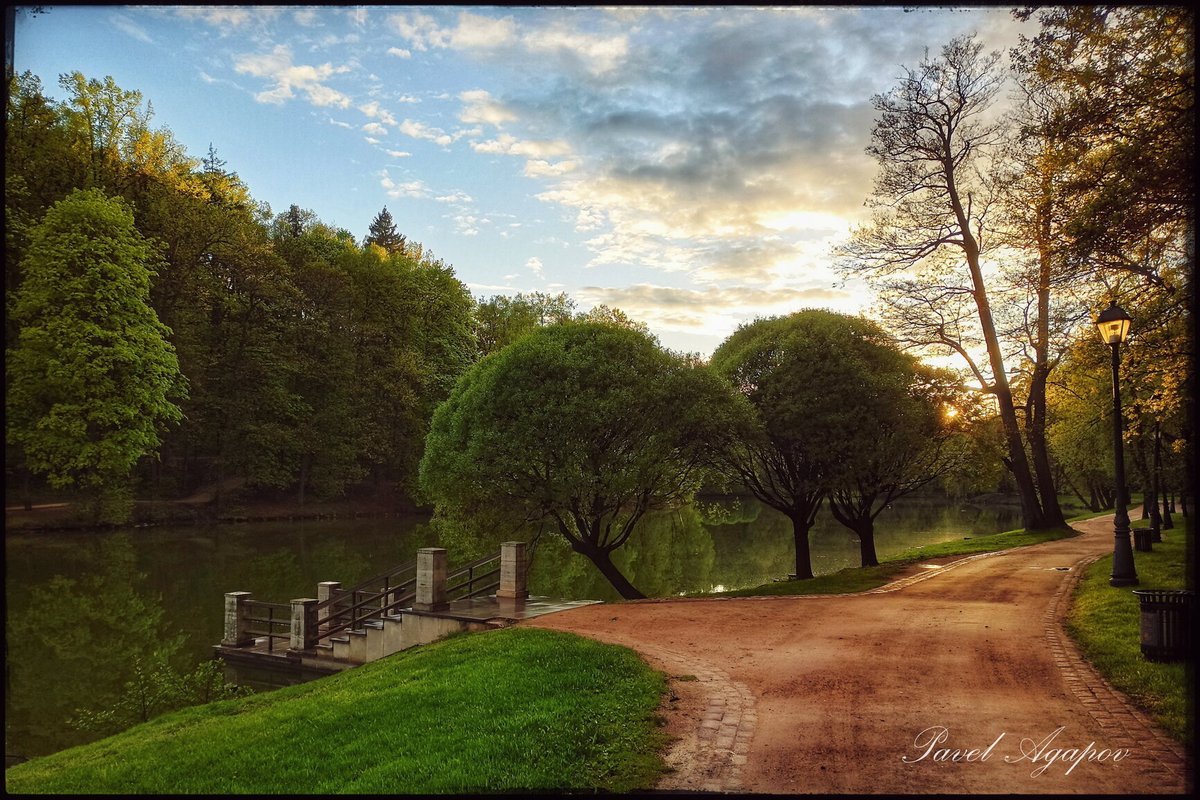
column 81, row 605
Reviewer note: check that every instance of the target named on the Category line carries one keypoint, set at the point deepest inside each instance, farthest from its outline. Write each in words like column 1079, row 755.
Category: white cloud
column 126, row 25
column 284, row 76
column 414, row 188
column 398, row 153
column 375, row 111
column 419, row 130
column 375, row 129
column 507, row 144
column 535, row 266
column 480, row 107
column 600, row 54
column 472, row 31
column 371, row 140
column 538, row 168
column 455, row 197
column 305, row 16
column 399, row 52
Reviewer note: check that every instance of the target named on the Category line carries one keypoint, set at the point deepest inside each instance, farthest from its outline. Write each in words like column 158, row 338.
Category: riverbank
column 209, row 506
column 490, row 712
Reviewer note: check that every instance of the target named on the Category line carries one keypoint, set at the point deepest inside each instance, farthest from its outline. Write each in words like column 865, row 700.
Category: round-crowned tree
column 838, row 412
column 584, row 425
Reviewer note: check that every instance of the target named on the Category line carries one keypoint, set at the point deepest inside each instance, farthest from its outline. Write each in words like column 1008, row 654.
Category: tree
column 932, row 141
column 780, row 366
column 382, row 232
column 501, row 320
column 93, row 379
column 586, row 426
column 899, row 437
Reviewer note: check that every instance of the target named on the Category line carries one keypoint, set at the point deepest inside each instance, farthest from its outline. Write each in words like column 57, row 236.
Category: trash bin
column 1166, row 623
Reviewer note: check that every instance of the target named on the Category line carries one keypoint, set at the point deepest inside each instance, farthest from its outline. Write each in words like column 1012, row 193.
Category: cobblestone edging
column 711, row 757
column 1112, row 710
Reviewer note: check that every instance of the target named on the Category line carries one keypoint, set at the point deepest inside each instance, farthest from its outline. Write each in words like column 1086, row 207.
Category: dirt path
column 829, row 694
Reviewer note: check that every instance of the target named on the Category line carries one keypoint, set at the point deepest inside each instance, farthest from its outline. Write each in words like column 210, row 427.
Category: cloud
column 375, row 129
column 399, row 52
column 455, row 197
column 305, row 16
column 509, row 145
column 535, row 266
column 217, row 16
column 419, row 130
column 414, row 188
column 284, row 77
column 709, row 310
column 471, row 31
column 126, row 25
column 398, row 153
column 480, row 107
column 598, row 54
column 374, row 111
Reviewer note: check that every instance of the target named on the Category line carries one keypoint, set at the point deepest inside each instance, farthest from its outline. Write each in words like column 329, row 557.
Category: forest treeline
column 296, row 357
column 308, row 360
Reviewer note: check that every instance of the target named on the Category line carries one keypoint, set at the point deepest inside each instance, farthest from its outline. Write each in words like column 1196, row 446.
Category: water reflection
column 82, row 606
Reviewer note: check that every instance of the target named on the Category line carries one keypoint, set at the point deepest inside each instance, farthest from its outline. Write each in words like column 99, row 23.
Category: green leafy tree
column 501, row 320
column 776, row 449
column 93, row 379
column 586, row 426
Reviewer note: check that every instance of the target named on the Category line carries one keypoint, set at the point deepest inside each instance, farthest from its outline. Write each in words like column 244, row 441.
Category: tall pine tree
column 383, row 233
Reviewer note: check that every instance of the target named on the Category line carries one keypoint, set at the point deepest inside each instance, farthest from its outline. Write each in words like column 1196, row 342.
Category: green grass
column 498, row 711
column 861, row 579
column 1105, row 621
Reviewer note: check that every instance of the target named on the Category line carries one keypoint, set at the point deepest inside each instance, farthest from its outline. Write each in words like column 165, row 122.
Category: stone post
column 237, row 627
column 326, row 590
column 431, row 580
column 514, row 567
column 304, row 624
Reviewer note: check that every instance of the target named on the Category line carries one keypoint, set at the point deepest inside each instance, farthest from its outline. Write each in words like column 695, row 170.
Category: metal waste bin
column 1166, row 623
column 1143, row 540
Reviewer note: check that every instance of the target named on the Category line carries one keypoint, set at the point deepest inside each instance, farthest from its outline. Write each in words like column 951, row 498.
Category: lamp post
column 1113, row 324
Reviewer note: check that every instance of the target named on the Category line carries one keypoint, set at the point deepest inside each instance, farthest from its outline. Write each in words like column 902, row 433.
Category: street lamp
column 1113, row 324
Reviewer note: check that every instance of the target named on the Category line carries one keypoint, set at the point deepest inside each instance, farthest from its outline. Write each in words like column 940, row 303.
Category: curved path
column 830, row 694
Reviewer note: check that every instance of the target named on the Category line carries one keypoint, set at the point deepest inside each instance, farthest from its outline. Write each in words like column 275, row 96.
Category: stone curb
column 715, row 751
column 1112, row 710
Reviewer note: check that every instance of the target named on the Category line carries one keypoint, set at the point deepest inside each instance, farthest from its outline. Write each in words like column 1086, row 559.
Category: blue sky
column 691, row 166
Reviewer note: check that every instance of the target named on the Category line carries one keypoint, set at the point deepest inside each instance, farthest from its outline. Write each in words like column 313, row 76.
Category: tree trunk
column 800, row 528
column 305, row 461
column 609, row 570
column 1018, row 464
column 1052, row 515
column 866, row 542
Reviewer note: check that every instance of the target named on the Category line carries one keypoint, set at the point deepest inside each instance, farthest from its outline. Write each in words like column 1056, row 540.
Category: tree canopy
column 585, row 425
column 93, row 379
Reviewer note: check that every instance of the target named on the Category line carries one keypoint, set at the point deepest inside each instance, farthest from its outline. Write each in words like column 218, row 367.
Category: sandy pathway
column 830, row 694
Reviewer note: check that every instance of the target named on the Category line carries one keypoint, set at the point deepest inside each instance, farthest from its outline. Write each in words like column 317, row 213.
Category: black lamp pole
column 1123, row 571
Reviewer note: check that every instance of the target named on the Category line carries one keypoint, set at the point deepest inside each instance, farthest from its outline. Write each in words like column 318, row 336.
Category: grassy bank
column 861, row 579
column 1105, row 622
column 500, row 711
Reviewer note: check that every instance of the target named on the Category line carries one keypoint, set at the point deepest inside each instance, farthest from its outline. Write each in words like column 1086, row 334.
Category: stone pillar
column 514, row 567
column 431, row 580
column 237, row 627
column 304, row 624
column 326, row 590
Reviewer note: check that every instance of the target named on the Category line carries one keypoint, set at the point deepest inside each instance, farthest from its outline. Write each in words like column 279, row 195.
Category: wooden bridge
column 414, row 603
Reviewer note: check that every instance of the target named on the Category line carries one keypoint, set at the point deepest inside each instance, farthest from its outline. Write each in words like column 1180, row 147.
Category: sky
column 692, row 166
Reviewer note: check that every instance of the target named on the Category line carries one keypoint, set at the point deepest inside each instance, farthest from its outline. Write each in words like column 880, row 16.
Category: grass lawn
column 1105, row 621
column 497, row 711
column 861, row 579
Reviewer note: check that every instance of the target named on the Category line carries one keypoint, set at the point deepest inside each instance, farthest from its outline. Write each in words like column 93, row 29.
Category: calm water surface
column 80, row 606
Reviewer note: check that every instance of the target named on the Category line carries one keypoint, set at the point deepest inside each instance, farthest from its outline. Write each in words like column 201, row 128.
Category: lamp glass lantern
column 1113, row 324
